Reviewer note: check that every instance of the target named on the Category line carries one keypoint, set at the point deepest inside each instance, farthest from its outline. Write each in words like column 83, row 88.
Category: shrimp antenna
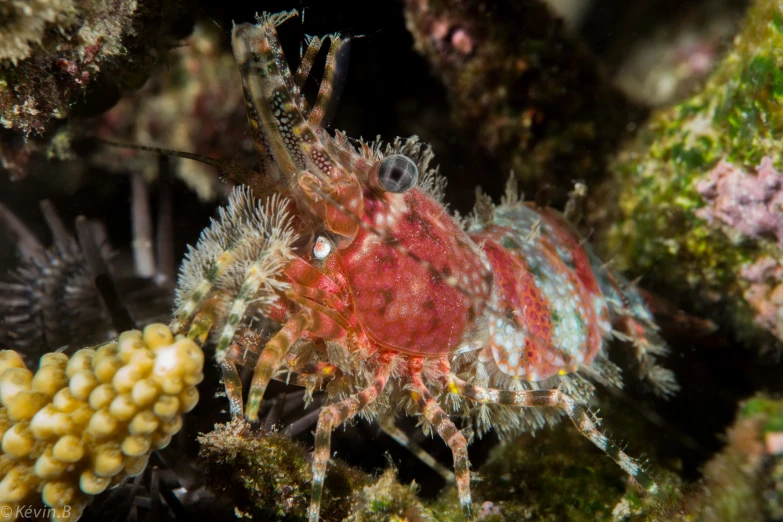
column 232, row 169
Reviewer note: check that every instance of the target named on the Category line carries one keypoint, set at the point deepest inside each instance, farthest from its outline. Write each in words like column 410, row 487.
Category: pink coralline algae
column 765, row 292
column 490, row 510
column 748, row 204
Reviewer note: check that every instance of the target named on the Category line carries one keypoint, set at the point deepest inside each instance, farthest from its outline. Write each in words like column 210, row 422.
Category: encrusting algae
column 525, row 91
column 699, row 191
column 62, row 61
column 82, row 424
column 269, row 478
column 742, row 483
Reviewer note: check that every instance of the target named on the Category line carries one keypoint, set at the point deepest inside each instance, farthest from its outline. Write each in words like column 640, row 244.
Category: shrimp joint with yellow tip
column 83, row 424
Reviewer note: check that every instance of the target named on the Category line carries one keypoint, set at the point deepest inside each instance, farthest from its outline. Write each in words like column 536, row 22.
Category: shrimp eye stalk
column 396, row 173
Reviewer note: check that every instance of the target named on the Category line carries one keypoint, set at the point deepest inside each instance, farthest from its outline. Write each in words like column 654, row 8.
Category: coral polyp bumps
column 82, row 424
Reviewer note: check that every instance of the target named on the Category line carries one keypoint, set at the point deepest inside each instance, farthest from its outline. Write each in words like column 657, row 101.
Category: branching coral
column 82, row 424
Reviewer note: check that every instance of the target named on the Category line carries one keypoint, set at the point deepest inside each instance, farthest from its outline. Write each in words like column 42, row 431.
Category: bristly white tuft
column 275, row 19
column 247, row 237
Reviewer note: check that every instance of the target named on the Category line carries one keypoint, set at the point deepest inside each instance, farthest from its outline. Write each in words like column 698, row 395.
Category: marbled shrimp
column 385, row 300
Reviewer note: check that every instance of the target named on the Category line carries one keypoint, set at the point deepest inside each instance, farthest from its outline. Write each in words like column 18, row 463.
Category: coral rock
column 685, row 195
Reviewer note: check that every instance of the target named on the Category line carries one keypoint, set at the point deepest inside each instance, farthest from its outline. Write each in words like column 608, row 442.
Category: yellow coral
column 86, row 423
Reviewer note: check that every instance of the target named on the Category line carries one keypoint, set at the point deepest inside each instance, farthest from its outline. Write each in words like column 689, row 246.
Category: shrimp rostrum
column 385, row 300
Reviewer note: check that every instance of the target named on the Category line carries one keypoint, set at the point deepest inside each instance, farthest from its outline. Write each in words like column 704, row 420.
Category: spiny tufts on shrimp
column 247, row 239
column 500, row 320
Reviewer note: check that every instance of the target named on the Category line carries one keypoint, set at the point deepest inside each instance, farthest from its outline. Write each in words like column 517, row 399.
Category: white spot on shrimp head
column 322, row 248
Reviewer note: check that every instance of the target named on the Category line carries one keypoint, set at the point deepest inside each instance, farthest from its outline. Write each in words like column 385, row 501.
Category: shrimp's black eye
column 397, row 173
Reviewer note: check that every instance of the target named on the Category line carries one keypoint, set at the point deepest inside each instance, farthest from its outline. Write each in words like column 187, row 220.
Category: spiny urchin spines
column 50, row 302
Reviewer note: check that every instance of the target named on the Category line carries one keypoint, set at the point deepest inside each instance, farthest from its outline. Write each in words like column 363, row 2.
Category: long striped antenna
column 259, row 183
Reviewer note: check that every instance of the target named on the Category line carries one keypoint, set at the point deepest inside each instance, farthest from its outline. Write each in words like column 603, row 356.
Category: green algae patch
column 269, row 477
column 770, row 410
column 742, row 483
column 559, row 475
column 387, row 500
column 690, row 183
